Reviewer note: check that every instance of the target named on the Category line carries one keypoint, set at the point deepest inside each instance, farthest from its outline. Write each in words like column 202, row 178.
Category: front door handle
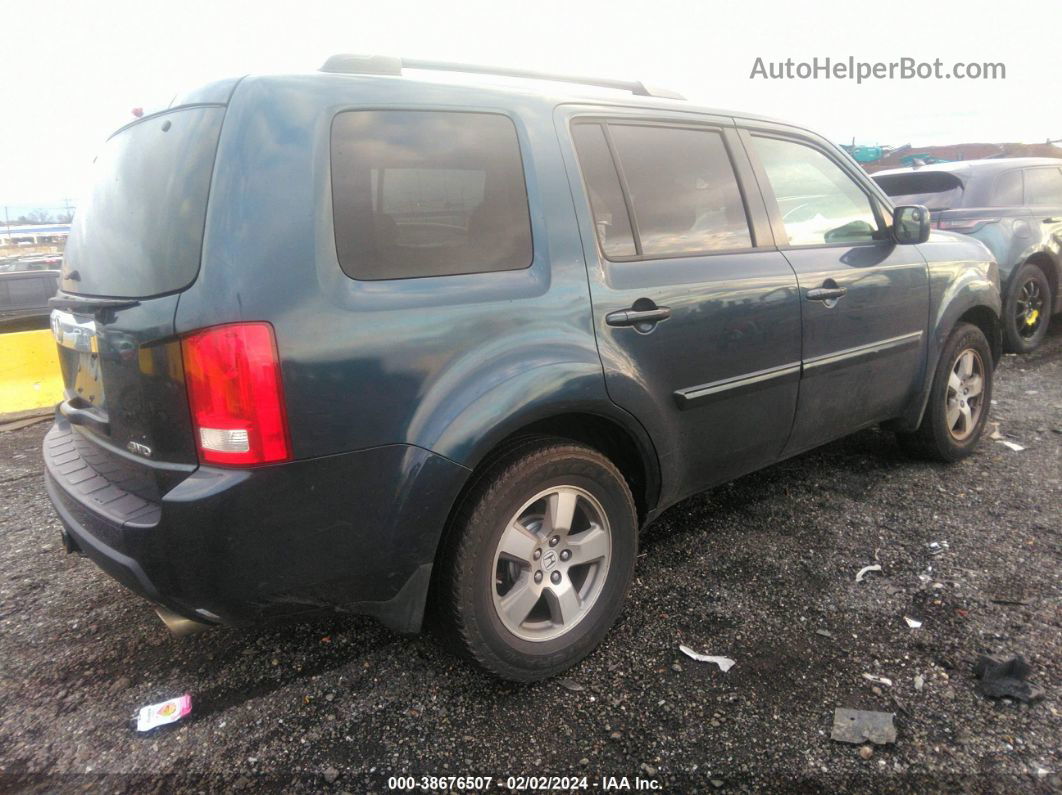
column 826, row 293
column 638, row 317
column 1052, row 220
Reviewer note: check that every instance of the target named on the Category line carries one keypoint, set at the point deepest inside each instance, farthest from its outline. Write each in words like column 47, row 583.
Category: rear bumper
column 355, row 532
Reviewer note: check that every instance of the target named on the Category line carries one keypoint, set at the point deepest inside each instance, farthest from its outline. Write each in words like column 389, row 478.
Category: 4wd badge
column 139, row 449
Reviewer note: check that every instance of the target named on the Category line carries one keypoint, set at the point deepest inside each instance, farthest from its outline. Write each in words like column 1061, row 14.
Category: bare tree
column 38, row 217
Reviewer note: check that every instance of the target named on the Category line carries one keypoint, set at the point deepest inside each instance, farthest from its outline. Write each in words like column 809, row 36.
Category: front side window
column 820, row 204
column 428, row 193
column 680, row 186
column 1043, row 186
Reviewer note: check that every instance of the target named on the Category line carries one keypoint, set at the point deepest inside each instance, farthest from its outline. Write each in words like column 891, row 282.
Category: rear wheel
column 1027, row 311
column 959, row 400
column 541, row 559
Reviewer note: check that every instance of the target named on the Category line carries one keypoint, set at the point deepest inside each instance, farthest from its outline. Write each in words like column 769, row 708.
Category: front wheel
column 1027, row 311
column 958, row 401
column 542, row 555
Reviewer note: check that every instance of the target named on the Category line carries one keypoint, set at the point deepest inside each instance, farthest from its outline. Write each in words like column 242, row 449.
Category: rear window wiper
column 86, row 304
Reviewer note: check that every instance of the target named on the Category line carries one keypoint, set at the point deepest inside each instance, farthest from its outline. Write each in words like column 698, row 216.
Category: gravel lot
column 751, row 570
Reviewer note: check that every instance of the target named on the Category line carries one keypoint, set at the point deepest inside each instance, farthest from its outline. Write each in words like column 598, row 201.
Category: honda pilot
column 363, row 341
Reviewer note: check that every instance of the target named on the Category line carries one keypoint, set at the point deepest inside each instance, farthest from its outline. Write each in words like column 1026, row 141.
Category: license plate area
column 80, row 353
column 88, row 383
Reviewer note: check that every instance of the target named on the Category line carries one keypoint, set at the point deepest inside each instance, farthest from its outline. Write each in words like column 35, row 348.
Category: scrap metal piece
column 858, row 726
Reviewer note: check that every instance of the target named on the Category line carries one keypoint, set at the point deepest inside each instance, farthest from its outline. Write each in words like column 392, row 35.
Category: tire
column 490, row 563
column 1027, row 311
column 948, row 432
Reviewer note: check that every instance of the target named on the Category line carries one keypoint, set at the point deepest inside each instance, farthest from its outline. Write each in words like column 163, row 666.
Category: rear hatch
column 135, row 244
column 965, row 205
column 936, row 190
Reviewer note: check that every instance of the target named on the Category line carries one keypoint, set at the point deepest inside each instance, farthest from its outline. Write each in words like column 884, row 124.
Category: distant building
column 34, row 234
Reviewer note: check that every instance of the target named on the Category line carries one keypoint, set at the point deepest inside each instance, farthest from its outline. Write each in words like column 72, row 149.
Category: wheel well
column 1044, row 263
column 986, row 320
column 609, row 438
column 604, row 435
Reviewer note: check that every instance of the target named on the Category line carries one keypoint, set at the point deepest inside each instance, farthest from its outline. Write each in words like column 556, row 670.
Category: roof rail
column 387, row 65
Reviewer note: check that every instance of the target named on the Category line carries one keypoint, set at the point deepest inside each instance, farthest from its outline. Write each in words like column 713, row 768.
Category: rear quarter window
column 1043, row 186
column 428, row 193
column 1007, row 191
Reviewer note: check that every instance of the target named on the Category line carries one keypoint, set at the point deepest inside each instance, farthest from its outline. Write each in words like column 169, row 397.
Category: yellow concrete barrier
column 29, row 371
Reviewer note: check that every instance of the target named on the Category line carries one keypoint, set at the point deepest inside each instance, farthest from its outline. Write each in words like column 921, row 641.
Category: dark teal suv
column 359, row 341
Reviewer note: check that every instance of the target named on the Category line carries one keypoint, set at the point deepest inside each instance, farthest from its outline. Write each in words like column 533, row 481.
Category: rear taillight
column 236, row 396
column 965, row 225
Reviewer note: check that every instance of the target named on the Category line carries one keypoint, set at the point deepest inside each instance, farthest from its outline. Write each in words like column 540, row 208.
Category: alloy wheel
column 1029, row 309
column 965, row 394
column 551, row 563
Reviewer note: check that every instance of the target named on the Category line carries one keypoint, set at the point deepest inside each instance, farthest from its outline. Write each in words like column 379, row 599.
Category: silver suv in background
column 1013, row 206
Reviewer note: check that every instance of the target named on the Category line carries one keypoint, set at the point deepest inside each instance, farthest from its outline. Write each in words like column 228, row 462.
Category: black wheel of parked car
column 959, row 401
column 541, row 558
column 1027, row 311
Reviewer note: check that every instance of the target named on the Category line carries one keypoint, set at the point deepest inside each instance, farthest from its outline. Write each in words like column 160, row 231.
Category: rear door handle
column 636, row 317
column 1052, row 220
column 826, row 293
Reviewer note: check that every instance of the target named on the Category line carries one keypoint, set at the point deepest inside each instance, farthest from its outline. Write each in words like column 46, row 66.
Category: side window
column 819, row 202
column 1008, row 190
column 26, row 293
column 1043, row 186
column 606, row 197
column 428, row 193
column 681, row 188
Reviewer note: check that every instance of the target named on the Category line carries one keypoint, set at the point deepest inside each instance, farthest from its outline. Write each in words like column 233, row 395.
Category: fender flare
column 532, row 396
column 973, row 289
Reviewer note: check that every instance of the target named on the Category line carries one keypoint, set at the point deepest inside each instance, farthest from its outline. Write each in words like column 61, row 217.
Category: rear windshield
column 139, row 230
column 937, row 190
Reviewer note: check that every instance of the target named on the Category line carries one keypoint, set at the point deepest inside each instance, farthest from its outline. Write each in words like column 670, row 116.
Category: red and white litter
column 170, row 711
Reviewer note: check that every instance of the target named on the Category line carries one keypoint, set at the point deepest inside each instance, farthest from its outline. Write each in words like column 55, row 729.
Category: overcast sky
column 72, row 71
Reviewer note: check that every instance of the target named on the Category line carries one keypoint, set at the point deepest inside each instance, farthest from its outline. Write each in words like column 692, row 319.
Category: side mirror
column 910, row 224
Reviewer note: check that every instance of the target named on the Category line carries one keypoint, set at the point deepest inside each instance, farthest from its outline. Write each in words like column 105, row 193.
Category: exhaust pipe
column 179, row 625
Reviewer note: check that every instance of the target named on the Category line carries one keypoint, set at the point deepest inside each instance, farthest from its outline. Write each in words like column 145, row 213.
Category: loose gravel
column 761, row 570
